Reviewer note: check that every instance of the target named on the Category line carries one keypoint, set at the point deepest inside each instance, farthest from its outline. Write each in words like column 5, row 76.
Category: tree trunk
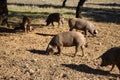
column 3, row 12
column 64, row 3
column 79, row 8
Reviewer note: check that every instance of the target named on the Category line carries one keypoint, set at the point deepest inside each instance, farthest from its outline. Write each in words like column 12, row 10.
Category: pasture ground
column 22, row 55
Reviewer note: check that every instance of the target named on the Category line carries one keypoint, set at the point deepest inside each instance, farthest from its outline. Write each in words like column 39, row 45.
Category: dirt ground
column 22, row 55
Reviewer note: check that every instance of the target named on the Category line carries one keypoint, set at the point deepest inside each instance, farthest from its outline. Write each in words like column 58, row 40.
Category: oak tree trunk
column 64, row 3
column 3, row 12
column 79, row 8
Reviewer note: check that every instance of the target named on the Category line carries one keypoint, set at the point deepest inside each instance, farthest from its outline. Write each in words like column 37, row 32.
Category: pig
column 55, row 17
column 67, row 39
column 26, row 24
column 80, row 24
column 111, row 57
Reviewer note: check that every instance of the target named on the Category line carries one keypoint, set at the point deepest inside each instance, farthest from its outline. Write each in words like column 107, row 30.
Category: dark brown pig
column 55, row 17
column 80, row 24
column 111, row 57
column 26, row 24
column 67, row 39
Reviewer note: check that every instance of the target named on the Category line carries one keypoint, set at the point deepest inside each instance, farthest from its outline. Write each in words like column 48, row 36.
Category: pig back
column 113, row 55
column 54, row 17
column 77, row 23
column 116, row 55
column 70, row 38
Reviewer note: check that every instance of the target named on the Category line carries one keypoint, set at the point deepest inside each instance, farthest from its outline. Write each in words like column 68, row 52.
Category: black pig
column 55, row 17
column 111, row 57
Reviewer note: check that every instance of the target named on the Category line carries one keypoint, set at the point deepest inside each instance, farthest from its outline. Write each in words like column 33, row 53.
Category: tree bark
column 3, row 12
column 79, row 8
column 64, row 3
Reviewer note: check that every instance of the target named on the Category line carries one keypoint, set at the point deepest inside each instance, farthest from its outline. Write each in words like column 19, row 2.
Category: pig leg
column 31, row 28
column 70, row 29
column 62, row 22
column 53, row 24
column 59, row 49
column 118, row 65
column 82, row 48
column 8, row 24
column 76, row 50
column 112, row 67
column 86, row 33
column 59, row 24
column 26, row 28
column 52, row 52
column 47, row 23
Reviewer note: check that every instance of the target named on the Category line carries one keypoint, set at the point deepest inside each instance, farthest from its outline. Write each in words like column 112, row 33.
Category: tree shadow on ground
column 86, row 69
column 35, row 26
column 41, row 5
column 60, row 6
column 102, row 14
column 107, row 15
column 32, row 15
column 105, row 4
column 45, row 34
column 14, row 24
column 38, row 25
column 6, row 30
column 42, row 52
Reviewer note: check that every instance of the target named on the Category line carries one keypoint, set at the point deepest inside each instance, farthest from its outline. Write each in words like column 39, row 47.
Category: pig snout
column 49, row 50
column 95, row 32
column 104, row 63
